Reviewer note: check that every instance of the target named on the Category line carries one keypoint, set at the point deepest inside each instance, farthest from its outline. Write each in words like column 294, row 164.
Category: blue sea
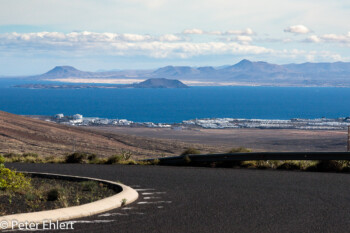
column 176, row 105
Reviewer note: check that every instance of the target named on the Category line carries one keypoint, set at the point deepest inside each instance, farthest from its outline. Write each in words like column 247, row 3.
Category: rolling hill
column 19, row 134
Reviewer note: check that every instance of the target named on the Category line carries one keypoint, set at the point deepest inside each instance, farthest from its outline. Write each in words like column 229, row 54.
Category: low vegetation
column 126, row 157
column 191, row 151
column 20, row 193
column 239, row 150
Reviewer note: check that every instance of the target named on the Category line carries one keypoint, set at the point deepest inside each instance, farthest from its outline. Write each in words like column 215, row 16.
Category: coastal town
column 209, row 123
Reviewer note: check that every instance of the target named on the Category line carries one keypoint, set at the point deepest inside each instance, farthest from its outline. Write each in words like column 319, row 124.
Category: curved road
column 184, row 199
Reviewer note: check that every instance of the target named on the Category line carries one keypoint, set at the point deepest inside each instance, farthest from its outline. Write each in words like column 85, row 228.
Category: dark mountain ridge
column 245, row 72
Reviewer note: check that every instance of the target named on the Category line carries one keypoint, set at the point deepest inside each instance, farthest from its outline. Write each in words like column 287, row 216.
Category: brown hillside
column 19, row 134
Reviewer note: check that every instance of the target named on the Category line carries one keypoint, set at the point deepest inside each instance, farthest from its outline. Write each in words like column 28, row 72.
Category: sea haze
column 176, row 105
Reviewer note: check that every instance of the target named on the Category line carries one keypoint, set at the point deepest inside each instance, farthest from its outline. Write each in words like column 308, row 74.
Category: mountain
column 244, row 72
column 252, row 67
column 160, row 83
column 175, row 71
column 336, row 67
column 65, row 72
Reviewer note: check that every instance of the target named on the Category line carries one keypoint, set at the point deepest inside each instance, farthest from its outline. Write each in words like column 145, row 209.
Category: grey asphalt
column 185, row 199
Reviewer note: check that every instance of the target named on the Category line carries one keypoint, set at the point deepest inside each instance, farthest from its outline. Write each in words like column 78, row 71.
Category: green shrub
column 11, row 155
column 89, row 185
column 329, row 165
column 114, row 159
column 239, row 150
column 76, row 157
column 2, row 161
column 12, row 180
column 33, row 155
column 289, row 166
column 92, row 157
column 53, row 194
column 186, row 159
column 191, row 151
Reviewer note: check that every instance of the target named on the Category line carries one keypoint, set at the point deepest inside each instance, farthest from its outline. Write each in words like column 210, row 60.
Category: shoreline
column 192, row 83
column 341, row 123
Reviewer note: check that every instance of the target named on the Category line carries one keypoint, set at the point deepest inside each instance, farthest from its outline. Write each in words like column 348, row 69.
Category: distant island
column 244, row 73
column 149, row 83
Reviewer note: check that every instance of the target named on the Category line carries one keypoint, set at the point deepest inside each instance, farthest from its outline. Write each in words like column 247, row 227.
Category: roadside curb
column 126, row 196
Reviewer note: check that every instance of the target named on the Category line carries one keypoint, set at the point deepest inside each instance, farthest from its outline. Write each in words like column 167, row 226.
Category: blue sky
column 37, row 35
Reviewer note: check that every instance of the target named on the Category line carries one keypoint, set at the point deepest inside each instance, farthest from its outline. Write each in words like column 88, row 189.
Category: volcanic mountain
column 244, row 72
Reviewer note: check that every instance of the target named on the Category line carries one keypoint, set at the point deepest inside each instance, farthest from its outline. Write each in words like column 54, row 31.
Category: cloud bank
column 297, row 29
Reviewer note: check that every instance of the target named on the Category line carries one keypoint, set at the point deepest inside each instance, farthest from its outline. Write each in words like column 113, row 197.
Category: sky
column 91, row 35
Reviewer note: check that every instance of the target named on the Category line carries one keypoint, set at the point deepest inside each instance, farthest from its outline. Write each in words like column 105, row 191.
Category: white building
column 59, row 116
column 77, row 117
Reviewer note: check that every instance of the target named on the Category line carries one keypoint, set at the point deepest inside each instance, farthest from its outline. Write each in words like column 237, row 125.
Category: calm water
column 175, row 105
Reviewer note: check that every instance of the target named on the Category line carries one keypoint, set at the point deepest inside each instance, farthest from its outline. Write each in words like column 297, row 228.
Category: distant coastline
column 149, row 83
column 244, row 73
column 207, row 123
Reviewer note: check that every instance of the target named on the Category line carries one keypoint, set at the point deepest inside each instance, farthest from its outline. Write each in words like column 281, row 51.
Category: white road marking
column 147, row 198
column 153, row 193
column 154, row 202
column 144, row 190
column 94, row 221
column 112, row 214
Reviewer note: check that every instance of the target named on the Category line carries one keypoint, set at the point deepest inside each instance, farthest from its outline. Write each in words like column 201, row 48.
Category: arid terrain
column 256, row 139
column 19, row 134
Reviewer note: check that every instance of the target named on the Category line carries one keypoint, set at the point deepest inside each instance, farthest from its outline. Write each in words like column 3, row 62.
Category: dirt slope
column 20, row 134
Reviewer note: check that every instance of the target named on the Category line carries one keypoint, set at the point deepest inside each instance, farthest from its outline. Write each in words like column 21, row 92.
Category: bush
column 288, row 166
column 92, row 157
column 12, row 180
column 11, row 155
column 329, row 165
column 2, row 161
column 114, row 159
column 53, row 195
column 33, row 155
column 89, row 185
column 186, row 159
column 239, row 150
column 191, row 151
column 77, row 157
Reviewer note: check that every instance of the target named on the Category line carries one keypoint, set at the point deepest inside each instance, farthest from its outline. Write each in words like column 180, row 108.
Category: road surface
column 185, row 199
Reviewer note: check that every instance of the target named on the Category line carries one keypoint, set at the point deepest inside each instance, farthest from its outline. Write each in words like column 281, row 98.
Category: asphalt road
column 183, row 199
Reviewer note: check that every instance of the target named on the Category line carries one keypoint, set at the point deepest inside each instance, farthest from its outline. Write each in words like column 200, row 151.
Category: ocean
column 176, row 105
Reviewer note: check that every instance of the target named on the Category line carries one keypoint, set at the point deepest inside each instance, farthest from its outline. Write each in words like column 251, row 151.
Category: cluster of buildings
column 79, row 120
column 212, row 123
column 312, row 124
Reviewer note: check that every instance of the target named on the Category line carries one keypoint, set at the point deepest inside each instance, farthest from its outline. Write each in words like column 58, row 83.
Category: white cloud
column 51, row 37
column 343, row 39
column 337, row 38
column 167, row 46
column 245, row 32
column 312, row 56
column 170, row 37
column 163, row 46
column 194, row 31
column 297, row 29
column 313, row 39
column 240, row 39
